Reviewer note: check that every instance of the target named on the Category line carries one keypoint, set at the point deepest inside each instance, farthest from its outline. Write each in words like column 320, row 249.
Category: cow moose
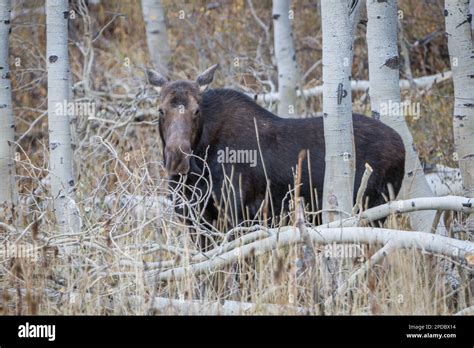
column 198, row 126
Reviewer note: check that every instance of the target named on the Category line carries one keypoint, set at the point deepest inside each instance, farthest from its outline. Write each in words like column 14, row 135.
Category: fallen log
column 426, row 242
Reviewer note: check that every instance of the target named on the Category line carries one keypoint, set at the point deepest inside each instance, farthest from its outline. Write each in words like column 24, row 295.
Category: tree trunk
column 385, row 93
column 471, row 10
column 461, row 54
column 339, row 174
column 337, row 108
column 288, row 75
column 8, row 192
column 157, row 35
column 61, row 168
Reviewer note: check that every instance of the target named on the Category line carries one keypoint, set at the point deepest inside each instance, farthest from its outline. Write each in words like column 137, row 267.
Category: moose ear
column 156, row 79
column 206, row 77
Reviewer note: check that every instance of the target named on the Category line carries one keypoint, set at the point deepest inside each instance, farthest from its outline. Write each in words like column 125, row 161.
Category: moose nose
column 177, row 159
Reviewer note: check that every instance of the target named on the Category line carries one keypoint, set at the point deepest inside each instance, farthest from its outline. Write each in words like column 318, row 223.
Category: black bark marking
column 332, row 200
column 6, row 76
column 468, row 20
column 446, row 13
column 276, row 16
column 353, row 5
column 341, row 93
column 53, row 59
column 66, row 14
column 393, row 62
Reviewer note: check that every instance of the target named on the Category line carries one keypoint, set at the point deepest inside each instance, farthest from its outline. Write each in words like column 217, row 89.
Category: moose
column 197, row 125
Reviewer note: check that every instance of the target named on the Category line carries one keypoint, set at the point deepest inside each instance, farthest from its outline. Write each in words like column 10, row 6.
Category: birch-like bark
column 337, row 108
column 444, row 181
column 61, row 167
column 157, row 35
column 288, row 74
column 471, row 11
column 385, row 99
column 458, row 32
column 8, row 192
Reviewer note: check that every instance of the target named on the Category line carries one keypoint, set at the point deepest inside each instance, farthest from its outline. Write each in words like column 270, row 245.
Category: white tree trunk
column 61, row 167
column 288, row 74
column 444, row 181
column 337, row 108
column 385, row 92
column 157, row 35
column 461, row 54
column 8, row 192
column 471, row 10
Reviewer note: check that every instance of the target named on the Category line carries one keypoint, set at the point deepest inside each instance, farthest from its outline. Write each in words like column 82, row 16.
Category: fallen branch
column 455, row 203
column 195, row 307
column 466, row 311
column 360, row 86
column 427, row 242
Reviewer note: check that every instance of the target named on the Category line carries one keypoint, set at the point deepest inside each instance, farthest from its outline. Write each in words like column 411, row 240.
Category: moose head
column 179, row 116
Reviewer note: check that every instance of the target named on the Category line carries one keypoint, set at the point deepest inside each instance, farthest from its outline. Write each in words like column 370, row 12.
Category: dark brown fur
column 226, row 119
